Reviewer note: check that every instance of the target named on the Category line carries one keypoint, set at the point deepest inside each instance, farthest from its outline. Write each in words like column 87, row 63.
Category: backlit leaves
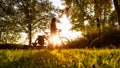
column 89, row 10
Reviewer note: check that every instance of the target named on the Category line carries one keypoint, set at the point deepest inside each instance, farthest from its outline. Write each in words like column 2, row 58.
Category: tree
column 7, row 27
column 117, row 9
column 101, row 16
column 96, row 12
column 30, row 15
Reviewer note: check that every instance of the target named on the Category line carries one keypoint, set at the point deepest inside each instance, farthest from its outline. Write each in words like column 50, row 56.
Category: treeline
column 13, row 46
column 19, row 46
column 109, row 38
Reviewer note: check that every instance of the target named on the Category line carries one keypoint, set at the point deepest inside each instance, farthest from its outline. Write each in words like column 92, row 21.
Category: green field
column 65, row 58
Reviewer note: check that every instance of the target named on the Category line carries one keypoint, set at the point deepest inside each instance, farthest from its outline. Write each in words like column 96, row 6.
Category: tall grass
column 64, row 58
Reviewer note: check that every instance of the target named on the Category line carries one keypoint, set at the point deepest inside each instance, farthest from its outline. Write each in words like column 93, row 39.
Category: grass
column 64, row 58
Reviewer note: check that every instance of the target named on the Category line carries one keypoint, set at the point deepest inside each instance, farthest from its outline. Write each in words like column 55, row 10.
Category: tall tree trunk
column 28, row 16
column 117, row 9
column 97, row 14
column 0, row 37
column 30, row 34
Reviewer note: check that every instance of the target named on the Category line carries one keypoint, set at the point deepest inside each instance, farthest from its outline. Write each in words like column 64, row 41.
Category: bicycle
column 45, row 41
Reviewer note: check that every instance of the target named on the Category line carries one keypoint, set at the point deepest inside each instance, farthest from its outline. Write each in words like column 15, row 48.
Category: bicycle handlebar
column 46, row 32
column 58, row 30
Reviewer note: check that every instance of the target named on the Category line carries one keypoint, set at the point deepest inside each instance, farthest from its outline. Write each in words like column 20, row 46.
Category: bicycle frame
column 55, row 41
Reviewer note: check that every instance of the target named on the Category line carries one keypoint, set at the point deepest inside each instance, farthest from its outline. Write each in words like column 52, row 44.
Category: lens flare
column 55, row 40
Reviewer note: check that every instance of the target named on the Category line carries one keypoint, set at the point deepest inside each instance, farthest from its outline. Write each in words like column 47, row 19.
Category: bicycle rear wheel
column 46, row 42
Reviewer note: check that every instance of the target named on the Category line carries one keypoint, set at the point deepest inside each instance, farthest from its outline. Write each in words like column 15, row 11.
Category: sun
column 65, row 26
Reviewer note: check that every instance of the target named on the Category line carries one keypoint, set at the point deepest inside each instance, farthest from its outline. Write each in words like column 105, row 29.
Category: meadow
column 64, row 58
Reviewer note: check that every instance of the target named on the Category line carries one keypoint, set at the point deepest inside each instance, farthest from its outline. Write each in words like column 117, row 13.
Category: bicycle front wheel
column 64, row 41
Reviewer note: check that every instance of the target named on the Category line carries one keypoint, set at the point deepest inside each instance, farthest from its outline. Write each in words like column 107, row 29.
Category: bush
column 11, row 46
column 84, row 41
column 107, row 38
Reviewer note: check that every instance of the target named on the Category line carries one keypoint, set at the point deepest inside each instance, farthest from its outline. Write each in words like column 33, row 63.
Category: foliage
column 83, row 42
column 27, row 16
column 73, row 58
column 98, row 13
column 117, row 9
column 9, row 37
column 109, row 38
column 103, row 21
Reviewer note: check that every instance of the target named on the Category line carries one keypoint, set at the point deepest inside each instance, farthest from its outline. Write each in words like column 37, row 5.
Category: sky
column 65, row 22
column 57, row 3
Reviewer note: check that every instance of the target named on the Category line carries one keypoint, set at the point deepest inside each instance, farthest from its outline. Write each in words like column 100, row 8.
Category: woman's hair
column 53, row 19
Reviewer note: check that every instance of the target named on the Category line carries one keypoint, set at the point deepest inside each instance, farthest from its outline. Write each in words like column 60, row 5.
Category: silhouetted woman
column 53, row 28
column 53, row 31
